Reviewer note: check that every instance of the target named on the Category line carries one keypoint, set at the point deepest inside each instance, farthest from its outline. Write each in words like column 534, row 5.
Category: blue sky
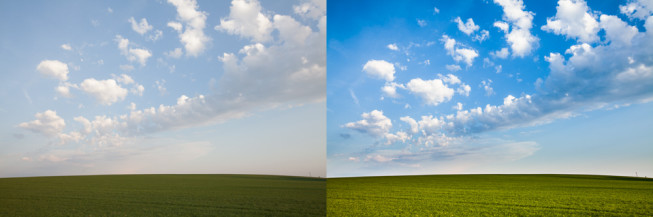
column 439, row 87
column 179, row 86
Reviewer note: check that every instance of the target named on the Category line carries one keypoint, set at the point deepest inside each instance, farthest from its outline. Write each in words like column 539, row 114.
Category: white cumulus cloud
column 106, row 92
column 380, row 69
column 503, row 53
column 141, row 27
column 176, row 53
column 637, row 9
column 433, row 92
column 458, row 51
column 313, row 9
column 53, row 68
column 66, row 47
column 617, row 31
column 373, row 123
column 245, row 19
column 520, row 39
column 390, row 89
column 192, row 37
column 574, row 20
column 133, row 54
column 453, row 68
column 466, row 27
column 393, row 47
column 47, row 123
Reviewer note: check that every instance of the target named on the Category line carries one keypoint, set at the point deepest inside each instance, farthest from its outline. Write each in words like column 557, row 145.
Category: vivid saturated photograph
column 490, row 107
column 163, row 108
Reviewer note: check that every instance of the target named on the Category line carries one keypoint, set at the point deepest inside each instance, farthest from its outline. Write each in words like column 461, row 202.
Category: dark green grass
column 490, row 195
column 163, row 195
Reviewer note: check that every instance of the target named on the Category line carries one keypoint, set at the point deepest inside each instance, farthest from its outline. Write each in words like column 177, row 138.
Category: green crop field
column 490, row 195
column 163, row 195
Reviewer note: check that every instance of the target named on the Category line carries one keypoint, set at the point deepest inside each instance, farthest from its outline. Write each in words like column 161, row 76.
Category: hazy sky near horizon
column 178, row 86
column 503, row 86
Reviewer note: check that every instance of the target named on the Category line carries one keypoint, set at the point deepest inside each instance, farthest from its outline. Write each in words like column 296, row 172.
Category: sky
column 490, row 87
column 178, row 86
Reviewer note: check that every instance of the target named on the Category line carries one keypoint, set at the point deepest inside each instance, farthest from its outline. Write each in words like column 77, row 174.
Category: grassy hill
column 490, row 195
column 163, row 195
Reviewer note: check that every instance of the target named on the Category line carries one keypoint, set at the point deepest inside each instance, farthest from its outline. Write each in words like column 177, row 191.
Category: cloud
column 193, row 37
column 458, row 106
column 574, row 20
column 290, row 30
column 458, row 51
column 136, row 89
column 312, row 9
column 141, row 27
column 436, row 91
column 618, row 70
column 520, row 39
column 503, row 26
column 106, row 92
column 353, row 96
column 373, row 123
column 124, row 79
column 591, row 78
column 502, row 54
column 482, row 36
column 176, row 26
column 421, row 23
column 436, row 10
column 156, row 35
column 486, row 84
column 160, row 86
column 47, row 123
column 246, row 20
column 140, row 55
column 466, row 27
column 396, row 137
column 393, row 47
column 617, row 31
column 637, row 9
column 53, row 68
column 380, row 69
column 433, row 92
column 414, row 127
column 176, row 53
column 66, row 47
column 390, row 89
column 450, row 79
column 64, row 89
column 126, row 67
column 132, row 54
column 247, row 85
column 453, row 68
column 461, row 156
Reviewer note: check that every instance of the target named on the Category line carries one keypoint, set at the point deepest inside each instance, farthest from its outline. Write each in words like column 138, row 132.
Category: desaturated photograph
column 163, row 108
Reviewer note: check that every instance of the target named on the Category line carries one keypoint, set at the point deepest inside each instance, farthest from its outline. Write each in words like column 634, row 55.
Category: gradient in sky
column 178, row 86
column 503, row 86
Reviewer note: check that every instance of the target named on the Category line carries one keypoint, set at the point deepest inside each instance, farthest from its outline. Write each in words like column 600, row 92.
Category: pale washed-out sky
column 179, row 86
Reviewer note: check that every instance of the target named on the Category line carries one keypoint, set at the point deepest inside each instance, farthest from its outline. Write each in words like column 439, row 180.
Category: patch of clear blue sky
column 614, row 141
column 288, row 141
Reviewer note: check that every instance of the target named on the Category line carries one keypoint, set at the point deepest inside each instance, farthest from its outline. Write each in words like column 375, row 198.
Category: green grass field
column 490, row 195
column 163, row 195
